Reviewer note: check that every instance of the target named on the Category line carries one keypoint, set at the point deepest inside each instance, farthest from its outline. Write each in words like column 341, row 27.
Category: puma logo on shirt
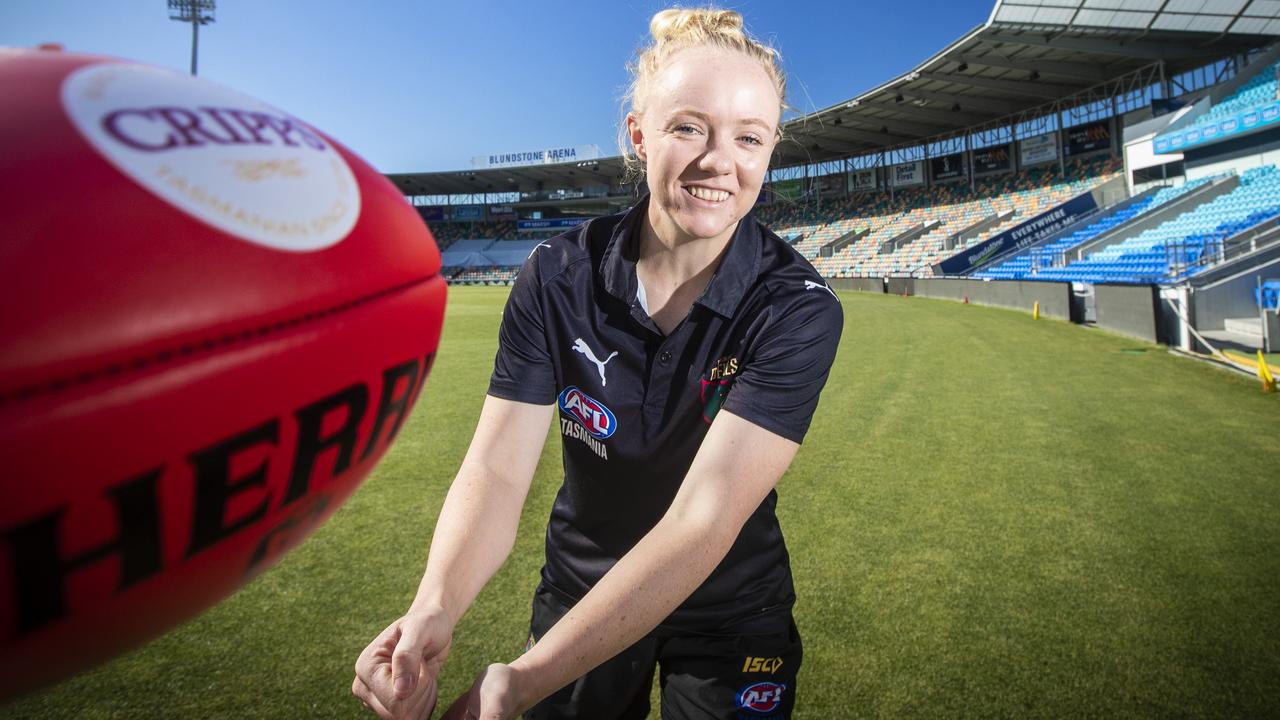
column 811, row 285
column 580, row 345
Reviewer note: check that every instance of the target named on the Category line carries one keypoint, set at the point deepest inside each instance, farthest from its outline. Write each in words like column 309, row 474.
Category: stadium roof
column 1029, row 53
column 525, row 178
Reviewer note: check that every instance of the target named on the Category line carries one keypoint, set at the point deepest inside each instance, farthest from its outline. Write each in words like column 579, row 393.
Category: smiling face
column 708, row 127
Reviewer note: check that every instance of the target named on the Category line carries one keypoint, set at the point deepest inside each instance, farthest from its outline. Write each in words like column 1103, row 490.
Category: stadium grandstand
column 1111, row 161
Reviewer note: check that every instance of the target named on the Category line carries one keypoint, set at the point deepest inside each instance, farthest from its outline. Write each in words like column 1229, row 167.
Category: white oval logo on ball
column 234, row 162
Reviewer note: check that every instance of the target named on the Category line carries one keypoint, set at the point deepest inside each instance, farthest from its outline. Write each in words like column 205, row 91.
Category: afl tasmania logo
column 762, row 697
column 225, row 158
column 588, row 412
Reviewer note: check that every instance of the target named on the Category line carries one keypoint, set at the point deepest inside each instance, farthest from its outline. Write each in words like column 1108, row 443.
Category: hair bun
column 673, row 23
column 678, row 29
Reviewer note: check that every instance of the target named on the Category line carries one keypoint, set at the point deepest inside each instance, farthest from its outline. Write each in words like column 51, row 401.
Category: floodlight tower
column 196, row 12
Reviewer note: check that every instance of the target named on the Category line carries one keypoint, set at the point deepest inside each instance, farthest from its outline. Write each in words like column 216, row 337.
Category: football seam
column 194, row 348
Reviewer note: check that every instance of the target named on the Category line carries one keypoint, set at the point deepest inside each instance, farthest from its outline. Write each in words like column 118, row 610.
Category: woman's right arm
column 395, row 675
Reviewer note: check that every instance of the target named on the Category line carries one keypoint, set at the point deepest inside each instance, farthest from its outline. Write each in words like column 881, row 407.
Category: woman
column 684, row 346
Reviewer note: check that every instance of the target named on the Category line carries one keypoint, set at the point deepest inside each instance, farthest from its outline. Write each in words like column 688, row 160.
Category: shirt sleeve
column 522, row 369
column 784, row 373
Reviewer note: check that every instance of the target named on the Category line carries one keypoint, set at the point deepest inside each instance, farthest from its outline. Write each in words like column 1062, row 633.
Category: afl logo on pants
column 762, row 697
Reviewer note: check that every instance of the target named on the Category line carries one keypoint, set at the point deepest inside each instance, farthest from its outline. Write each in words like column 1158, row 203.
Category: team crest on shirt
column 715, row 387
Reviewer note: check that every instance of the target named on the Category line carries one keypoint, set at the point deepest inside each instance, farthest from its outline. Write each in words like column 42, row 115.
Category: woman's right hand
column 396, row 674
column 476, row 529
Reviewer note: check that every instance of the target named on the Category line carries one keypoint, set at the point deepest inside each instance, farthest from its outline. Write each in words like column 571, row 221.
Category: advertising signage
column 1038, row 149
column 550, row 223
column 908, row 174
column 1089, row 138
column 431, row 213
column 1022, row 236
column 1203, row 133
column 541, row 156
column 991, row 159
column 788, row 189
column 829, row 184
column 948, row 167
column 862, row 179
column 468, row 212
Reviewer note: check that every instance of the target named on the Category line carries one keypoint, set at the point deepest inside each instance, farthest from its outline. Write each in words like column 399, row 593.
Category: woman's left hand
column 494, row 696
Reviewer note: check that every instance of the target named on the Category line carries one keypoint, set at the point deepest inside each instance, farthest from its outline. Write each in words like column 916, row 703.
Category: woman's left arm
column 736, row 466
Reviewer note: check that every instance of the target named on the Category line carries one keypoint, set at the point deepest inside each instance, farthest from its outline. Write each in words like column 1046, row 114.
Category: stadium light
column 196, row 12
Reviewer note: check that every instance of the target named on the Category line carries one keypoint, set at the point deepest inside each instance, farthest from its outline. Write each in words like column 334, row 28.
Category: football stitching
column 187, row 350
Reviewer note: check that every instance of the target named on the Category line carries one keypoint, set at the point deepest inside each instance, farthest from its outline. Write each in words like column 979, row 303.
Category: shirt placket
column 662, row 370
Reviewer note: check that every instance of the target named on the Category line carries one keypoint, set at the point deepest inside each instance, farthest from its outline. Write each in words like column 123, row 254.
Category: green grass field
column 991, row 517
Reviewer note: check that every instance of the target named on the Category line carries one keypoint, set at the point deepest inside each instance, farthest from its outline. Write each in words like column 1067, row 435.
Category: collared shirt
column 635, row 404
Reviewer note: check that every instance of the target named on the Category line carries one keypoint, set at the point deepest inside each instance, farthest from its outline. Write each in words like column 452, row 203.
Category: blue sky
column 425, row 85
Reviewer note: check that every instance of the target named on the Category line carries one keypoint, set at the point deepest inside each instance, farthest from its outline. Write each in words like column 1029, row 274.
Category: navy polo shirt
column 634, row 404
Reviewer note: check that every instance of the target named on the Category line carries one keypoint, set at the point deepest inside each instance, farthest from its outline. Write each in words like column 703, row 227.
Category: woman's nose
column 716, row 157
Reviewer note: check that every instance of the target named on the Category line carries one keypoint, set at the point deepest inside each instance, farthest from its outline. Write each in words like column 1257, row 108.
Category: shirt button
column 664, row 357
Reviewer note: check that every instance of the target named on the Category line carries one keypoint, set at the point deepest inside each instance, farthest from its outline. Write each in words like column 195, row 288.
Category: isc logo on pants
column 761, row 664
column 762, row 697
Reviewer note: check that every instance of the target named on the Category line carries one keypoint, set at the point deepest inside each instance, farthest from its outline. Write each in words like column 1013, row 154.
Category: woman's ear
column 636, row 135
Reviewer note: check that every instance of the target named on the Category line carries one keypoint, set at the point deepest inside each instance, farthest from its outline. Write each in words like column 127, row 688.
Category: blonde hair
column 677, row 29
